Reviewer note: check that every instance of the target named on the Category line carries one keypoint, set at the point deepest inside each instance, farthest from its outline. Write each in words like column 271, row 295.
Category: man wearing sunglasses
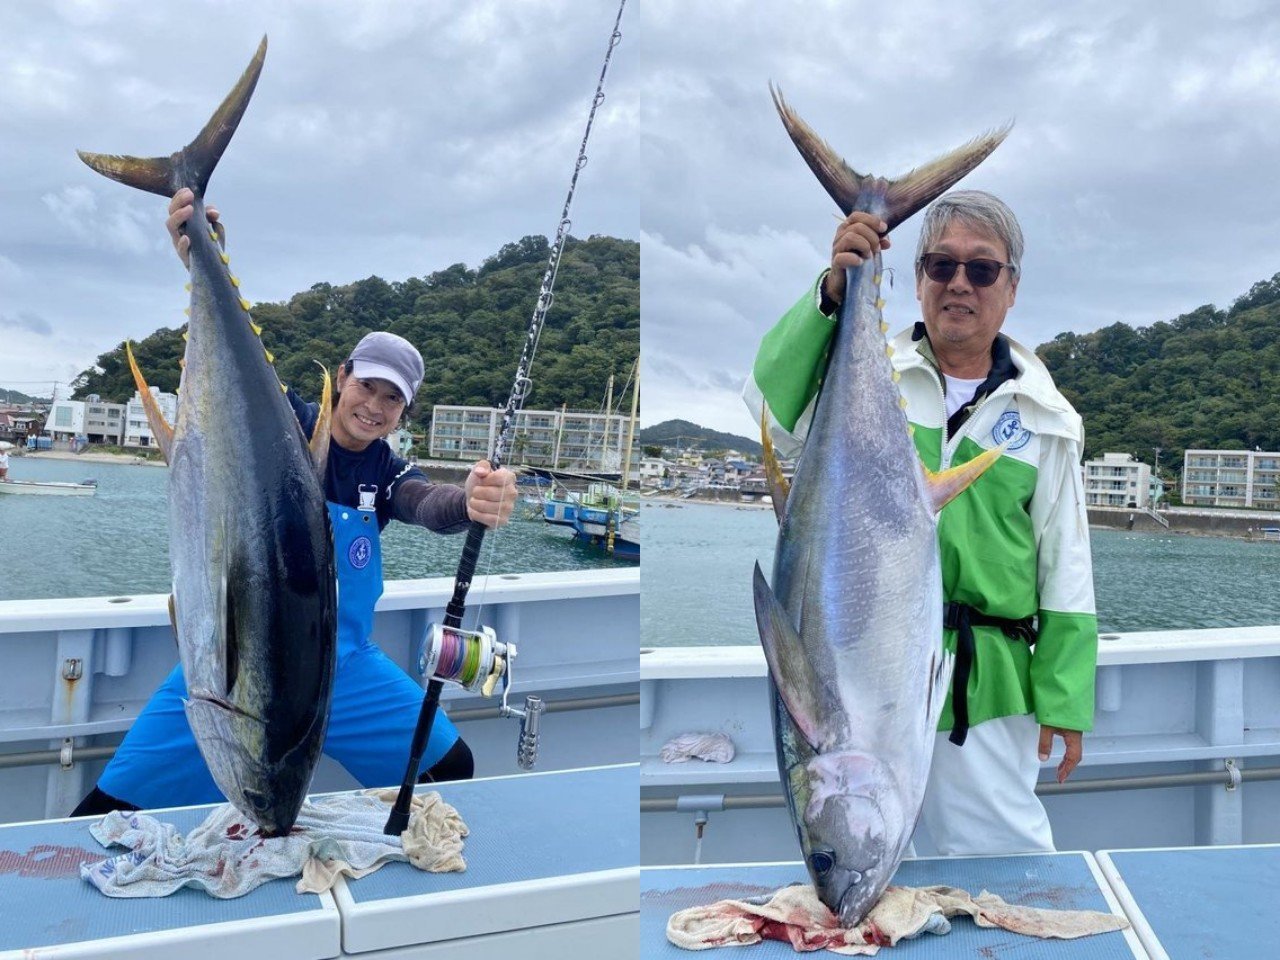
column 1016, row 569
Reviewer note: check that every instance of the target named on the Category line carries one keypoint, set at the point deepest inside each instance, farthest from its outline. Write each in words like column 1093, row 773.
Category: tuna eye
column 821, row 863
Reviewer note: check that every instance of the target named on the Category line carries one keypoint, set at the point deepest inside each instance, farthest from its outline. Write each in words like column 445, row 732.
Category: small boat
column 86, row 488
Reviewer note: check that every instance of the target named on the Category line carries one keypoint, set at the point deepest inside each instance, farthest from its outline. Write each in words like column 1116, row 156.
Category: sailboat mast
column 608, row 415
column 631, row 426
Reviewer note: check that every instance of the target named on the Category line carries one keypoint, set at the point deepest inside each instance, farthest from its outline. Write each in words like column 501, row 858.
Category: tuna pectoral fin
column 778, row 486
column 160, row 428
column 788, row 666
column 319, row 445
column 946, row 486
column 903, row 196
column 193, row 165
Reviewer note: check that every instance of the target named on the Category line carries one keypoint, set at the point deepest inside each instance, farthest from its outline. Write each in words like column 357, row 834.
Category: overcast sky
column 1144, row 165
column 388, row 138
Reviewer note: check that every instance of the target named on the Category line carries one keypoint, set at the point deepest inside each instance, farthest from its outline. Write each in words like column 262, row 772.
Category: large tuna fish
column 852, row 628
column 254, row 596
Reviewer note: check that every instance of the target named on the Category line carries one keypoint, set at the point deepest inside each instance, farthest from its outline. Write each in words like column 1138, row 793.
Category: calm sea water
column 698, row 560
column 117, row 542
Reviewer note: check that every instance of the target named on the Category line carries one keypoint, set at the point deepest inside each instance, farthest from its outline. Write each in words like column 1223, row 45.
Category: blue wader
column 375, row 703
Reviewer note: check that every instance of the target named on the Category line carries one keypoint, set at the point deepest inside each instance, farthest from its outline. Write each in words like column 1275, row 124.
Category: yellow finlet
column 895, row 376
column 902, row 402
column 226, row 258
column 186, row 311
column 269, row 355
column 244, row 304
column 186, row 337
column 235, row 281
column 160, row 428
column 186, row 287
column 257, row 330
column 880, row 304
column 946, row 486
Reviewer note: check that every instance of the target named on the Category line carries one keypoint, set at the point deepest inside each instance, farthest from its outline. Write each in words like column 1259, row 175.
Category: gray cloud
column 26, row 321
column 389, row 139
column 1140, row 164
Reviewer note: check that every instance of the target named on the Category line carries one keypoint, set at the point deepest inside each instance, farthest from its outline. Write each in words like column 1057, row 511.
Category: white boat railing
column 77, row 672
column 1168, row 704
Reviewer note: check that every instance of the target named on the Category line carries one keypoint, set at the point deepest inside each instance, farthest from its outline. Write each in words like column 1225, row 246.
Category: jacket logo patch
column 1009, row 427
column 360, row 552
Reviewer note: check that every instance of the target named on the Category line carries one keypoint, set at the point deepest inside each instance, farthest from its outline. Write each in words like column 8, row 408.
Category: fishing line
column 398, row 820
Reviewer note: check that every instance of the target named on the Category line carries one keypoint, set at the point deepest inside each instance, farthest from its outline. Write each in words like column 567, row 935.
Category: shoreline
column 88, row 457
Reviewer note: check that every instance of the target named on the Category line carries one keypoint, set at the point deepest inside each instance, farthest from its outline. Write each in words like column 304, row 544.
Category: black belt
column 962, row 619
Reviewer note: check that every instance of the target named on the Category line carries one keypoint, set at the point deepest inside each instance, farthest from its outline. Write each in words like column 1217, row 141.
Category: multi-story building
column 1117, row 480
column 1231, row 478
column 92, row 420
column 137, row 432
column 540, row 438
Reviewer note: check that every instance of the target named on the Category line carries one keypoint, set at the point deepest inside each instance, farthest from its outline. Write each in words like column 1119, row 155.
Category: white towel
column 226, row 856
column 713, row 747
column 795, row 915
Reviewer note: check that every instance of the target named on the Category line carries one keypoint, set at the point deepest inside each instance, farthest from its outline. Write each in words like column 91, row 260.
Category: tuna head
column 851, row 830
column 267, row 790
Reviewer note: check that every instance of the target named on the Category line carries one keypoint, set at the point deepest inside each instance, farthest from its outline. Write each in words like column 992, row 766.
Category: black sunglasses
column 981, row 272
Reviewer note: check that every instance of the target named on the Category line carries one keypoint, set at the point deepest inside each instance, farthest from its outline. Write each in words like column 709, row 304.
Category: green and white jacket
column 1015, row 544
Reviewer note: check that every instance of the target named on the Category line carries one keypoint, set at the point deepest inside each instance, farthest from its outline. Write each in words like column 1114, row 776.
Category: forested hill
column 470, row 326
column 1208, row 379
column 690, row 436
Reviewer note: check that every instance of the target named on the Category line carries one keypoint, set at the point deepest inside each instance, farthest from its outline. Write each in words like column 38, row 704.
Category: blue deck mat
column 1210, row 901
column 1062, row 881
column 44, row 903
column 528, row 828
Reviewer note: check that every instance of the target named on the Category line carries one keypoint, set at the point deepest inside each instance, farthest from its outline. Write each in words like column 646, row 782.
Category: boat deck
column 1064, row 881
column 551, row 870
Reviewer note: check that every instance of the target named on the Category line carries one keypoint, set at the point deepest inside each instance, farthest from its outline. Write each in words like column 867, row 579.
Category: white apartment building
column 540, row 438
column 137, row 432
column 1117, row 480
column 91, row 418
column 1231, row 478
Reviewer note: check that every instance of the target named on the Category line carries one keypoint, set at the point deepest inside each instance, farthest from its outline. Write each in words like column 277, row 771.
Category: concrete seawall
column 1207, row 523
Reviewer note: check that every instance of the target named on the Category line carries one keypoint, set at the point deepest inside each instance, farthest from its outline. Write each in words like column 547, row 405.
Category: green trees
column 470, row 326
column 1207, row 379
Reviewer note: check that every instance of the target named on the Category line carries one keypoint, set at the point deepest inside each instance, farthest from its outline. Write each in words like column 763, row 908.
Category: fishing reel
column 477, row 660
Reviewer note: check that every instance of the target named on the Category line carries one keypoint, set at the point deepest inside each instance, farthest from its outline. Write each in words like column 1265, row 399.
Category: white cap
column 385, row 356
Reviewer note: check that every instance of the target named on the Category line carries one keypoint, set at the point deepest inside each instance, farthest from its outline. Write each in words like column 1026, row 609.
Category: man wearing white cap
column 375, row 703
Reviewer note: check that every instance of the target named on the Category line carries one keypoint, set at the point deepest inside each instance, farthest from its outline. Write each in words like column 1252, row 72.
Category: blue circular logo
column 360, row 552
column 1009, row 426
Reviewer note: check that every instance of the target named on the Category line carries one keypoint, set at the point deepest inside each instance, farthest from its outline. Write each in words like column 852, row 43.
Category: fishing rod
column 476, row 659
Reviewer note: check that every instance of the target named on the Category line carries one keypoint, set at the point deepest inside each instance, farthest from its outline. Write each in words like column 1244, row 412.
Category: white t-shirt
column 960, row 392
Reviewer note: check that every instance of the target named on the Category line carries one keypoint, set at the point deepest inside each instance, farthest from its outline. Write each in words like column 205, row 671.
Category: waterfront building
column 568, row 439
column 137, row 432
column 1231, row 478
column 1117, row 480
column 90, row 419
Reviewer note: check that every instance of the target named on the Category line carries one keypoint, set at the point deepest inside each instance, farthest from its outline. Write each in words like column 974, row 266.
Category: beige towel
column 795, row 914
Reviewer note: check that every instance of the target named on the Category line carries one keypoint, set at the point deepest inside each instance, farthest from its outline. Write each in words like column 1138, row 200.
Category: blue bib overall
column 375, row 703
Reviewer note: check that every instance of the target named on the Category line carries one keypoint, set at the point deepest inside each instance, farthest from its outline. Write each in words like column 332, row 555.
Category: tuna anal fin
column 779, row 488
column 946, row 486
column 160, row 427
column 319, row 445
column 791, row 672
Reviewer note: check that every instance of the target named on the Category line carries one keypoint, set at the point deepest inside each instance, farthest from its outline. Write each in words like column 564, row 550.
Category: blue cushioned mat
column 1208, row 901
column 1061, row 881
column 44, row 903
column 528, row 828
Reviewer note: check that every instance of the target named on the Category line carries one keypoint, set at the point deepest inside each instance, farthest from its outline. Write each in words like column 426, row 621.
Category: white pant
column 981, row 797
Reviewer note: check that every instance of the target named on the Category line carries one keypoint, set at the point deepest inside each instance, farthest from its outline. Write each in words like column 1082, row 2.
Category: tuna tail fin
column 778, row 486
column 193, row 164
column 792, row 674
column 160, row 428
column 903, row 196
column 319, row 445
column 946, row 486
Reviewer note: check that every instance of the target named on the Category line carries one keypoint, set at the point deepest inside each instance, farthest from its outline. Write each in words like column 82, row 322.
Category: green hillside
column 690, row 436
column 470, row 326
column 1207, row 379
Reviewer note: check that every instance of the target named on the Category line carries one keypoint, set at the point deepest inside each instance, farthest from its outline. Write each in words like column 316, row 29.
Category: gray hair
column 977, row 209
